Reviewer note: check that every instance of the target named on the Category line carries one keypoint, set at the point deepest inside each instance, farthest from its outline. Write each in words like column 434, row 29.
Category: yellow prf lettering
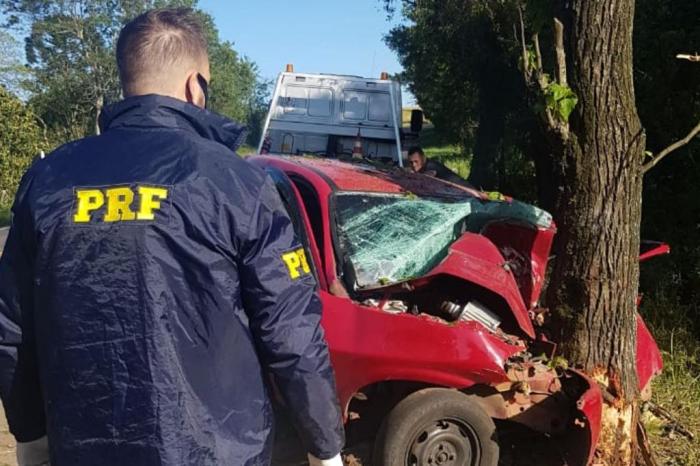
column 302, row 259
column 118, row 202
column 295, row 260
column 293, row 263
column 150, row 201
column 88, row 201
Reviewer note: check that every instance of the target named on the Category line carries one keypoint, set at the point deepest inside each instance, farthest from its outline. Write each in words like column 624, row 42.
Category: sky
column 316, row 36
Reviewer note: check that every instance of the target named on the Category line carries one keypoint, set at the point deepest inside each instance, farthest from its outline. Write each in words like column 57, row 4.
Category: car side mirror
column 416, row 121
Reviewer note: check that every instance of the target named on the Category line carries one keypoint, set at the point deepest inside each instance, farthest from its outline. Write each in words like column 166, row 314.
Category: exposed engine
column 474, row 311
column 448, row 310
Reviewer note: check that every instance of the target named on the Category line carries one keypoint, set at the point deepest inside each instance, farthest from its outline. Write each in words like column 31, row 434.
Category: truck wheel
column 436, row 427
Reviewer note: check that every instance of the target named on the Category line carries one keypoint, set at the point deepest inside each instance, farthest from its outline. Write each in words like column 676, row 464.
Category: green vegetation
column 677, row 390
column 71, row 71
column 70, row 75
column 458, row 61
column 452, row 155
column 457, row 163
column 246, row 149
column 20, row 141
column 464, row 78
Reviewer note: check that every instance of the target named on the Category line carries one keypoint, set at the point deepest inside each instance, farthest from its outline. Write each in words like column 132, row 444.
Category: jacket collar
column 157, row 111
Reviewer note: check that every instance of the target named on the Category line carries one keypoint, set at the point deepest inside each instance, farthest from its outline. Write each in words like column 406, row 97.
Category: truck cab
column 331, row 115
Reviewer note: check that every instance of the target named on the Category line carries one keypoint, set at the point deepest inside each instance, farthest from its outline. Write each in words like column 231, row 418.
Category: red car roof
column 358, row 176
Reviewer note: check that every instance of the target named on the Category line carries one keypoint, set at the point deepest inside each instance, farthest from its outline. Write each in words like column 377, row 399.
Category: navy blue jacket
column 150, row 283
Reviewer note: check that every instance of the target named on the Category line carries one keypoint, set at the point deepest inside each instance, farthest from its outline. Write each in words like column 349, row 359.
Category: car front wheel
column 437, row 427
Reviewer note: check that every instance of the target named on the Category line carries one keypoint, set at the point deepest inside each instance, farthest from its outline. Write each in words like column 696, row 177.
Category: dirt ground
column 7, row 443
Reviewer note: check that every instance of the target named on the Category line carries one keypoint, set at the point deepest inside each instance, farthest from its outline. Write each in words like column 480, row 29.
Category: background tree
column 598, row 157
column 12, row 70
column 579, row 87
column 668, row 99
column 234, row 79
column 70, row 50
column 257, row 110
column 20, row 141
column 458, row 62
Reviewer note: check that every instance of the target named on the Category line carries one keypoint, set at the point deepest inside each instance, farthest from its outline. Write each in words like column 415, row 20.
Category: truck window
column 320, row 102
column 295, row 102
column 354, row 105
column 379, row 107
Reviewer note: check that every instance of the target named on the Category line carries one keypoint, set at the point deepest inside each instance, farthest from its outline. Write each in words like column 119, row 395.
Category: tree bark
column 99, row 103
column 594, row 283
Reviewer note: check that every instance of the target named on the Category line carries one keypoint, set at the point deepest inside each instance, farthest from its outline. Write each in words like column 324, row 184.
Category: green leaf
column 561, row 100
column 559, row 362
column 566, row 106
column 531, row 57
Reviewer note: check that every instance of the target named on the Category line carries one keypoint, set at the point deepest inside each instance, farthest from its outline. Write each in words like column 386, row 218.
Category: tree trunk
column 99, row 103
column 594, row 283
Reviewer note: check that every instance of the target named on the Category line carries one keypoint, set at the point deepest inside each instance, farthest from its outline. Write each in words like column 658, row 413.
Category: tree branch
column 538, row 53
column 526, row 64
column 686, row 56
column 676, row 145
column 561, row 55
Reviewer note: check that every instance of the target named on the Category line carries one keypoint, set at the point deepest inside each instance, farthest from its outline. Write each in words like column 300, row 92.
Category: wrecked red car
column 430, row 306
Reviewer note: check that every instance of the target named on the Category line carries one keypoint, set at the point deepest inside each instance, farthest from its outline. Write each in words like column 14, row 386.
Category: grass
column 246, row 150
column 457, row 163
column 4, row 216
column 677, row 389
column 452, row 155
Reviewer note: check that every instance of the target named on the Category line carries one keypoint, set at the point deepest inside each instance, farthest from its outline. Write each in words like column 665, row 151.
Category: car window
column 289, row 199
column 389, row 238
column 309, row 197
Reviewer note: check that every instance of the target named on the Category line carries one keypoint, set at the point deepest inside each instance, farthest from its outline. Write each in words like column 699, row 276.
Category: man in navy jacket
column 152, row 280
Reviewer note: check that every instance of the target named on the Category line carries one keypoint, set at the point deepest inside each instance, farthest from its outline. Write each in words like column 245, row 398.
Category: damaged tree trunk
column 593, row 288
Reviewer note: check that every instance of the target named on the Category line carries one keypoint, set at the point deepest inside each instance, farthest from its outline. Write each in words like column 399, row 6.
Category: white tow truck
column 337, row 115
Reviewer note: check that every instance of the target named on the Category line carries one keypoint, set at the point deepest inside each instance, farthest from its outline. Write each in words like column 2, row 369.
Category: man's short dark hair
column 416, row 150
column 157, row 39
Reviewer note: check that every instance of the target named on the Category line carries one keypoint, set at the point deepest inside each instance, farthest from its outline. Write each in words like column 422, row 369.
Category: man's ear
column 193, row 91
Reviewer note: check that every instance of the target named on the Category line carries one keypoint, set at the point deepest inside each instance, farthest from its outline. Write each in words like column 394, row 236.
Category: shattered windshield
column 388, row 238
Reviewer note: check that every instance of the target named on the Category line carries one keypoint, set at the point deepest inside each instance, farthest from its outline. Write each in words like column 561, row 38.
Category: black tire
column 436, row 427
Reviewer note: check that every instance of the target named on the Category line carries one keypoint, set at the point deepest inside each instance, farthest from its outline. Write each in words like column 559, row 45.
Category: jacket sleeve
column 280, row 298
column 19, row 376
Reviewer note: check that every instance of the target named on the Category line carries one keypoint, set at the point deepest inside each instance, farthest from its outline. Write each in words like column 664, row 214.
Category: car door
column 300, row 220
